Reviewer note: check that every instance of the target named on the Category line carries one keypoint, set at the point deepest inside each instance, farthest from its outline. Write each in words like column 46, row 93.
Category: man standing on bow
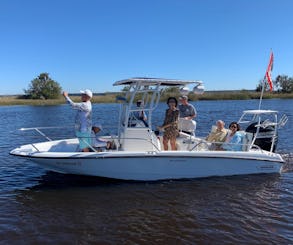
column 83, row 118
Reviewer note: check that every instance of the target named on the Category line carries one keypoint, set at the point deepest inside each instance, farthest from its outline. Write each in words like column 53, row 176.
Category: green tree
column 170, row 92
column 260, row 84
column 284, row 83
column 126, row 88
column 43, row 87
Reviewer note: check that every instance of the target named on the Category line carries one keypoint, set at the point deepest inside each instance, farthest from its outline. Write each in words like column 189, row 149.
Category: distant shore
column 111, row 97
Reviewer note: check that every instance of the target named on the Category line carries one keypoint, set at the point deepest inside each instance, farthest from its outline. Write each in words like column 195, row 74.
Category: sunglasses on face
column 233, row 126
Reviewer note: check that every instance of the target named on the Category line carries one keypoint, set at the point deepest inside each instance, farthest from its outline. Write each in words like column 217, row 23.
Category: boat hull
column 150, row 166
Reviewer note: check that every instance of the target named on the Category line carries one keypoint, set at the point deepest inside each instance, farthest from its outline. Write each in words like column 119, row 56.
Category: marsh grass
column 111, row 97
column 231, row 95
column 18, row 100
column 244, row 95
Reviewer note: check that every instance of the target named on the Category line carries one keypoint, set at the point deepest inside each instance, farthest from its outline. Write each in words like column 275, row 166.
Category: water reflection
column 184, row 211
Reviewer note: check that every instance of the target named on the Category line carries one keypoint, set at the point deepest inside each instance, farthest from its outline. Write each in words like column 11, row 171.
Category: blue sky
column 92, row 43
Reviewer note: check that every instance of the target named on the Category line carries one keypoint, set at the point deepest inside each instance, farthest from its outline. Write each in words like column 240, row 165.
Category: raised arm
column 77, row 106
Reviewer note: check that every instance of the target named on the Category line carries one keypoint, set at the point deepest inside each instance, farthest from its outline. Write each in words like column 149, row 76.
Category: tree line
column 44, row 87
column 282, row 84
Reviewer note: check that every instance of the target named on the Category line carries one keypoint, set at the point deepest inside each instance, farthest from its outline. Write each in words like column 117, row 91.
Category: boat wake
column 288, row 166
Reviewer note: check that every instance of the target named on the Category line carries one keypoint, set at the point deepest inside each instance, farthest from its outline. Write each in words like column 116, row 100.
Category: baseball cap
column 87, row 92
column 184, row 97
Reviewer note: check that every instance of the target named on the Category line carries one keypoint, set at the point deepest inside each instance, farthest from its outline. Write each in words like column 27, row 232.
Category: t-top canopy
column 258, row 112
column 144, row 81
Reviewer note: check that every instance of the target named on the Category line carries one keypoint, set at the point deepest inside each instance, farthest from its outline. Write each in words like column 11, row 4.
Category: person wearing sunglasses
column 234, row 138
column 170, row 125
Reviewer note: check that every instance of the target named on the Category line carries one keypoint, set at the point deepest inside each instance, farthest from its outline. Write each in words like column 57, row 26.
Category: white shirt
column 83, row 118
column 97, row 142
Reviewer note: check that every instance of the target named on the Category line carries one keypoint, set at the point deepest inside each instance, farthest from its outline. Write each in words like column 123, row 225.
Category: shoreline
column 10, row 100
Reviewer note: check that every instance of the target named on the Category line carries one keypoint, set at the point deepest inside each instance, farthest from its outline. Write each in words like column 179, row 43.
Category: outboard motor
column 265, row 136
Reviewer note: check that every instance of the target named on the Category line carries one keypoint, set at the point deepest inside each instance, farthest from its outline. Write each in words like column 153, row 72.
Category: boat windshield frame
column 262, row 120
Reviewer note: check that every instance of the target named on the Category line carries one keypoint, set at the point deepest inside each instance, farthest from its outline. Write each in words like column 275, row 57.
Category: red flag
column 269, row 70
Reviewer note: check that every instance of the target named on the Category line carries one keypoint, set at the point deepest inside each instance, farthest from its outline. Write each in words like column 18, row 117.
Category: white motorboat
column 138, row 154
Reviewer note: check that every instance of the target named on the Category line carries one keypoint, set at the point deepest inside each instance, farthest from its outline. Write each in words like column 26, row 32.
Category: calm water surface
column 37, row 206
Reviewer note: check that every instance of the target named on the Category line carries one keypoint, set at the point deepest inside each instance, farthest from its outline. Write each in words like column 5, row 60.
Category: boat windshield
column 257, row 116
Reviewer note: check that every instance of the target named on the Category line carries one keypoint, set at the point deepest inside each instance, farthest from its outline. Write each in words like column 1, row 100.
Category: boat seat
column 246, row 140
column 139, row 139
column 188, row 126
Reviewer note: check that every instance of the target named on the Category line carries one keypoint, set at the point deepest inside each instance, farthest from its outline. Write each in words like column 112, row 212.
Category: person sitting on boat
column 234, row 138
column 140, row 115
column 98, row 143
column 170, row 125
column 217, row 135
column 83, row 118
column 187, row 113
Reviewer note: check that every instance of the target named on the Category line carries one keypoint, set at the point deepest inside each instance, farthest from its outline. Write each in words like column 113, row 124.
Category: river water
column 40, row 207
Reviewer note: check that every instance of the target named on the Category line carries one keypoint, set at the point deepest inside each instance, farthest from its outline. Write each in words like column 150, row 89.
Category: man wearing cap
column 83, row 118
column 187, row 113
column 186, row 110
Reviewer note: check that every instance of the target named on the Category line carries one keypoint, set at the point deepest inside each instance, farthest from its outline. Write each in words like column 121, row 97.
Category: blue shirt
column 235, row 143
column 187, row 110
